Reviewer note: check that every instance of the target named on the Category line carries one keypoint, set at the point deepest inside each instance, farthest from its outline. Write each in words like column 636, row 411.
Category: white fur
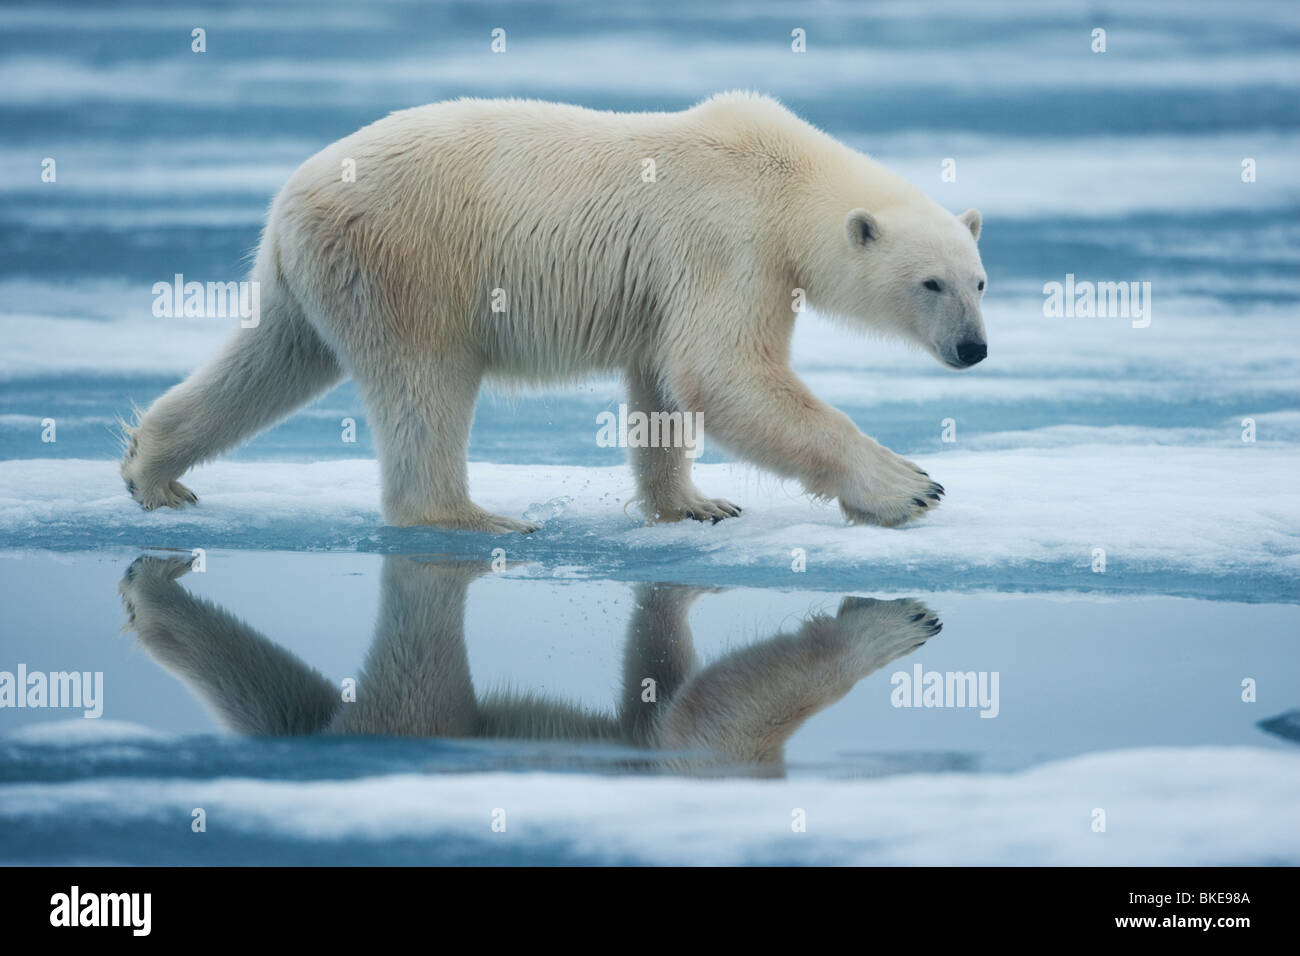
column 684, row 285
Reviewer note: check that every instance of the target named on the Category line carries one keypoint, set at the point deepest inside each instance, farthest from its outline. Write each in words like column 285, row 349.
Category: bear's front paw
column 697, row 508
column 890, row 491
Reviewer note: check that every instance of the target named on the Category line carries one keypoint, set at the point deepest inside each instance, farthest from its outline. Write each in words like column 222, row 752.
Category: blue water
column 1123, row 165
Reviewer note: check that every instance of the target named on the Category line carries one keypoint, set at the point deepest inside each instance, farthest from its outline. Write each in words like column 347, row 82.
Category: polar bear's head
column 914, row 271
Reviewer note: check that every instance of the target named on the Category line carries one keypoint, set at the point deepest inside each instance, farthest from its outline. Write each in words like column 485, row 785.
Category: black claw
column 933, row 497
column 932, row 622
column 916, row 617
column 717, row 518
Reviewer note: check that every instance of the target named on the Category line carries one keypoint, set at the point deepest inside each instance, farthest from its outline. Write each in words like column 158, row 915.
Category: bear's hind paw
column 500, row 524
column 169, row 495
column 472, row 518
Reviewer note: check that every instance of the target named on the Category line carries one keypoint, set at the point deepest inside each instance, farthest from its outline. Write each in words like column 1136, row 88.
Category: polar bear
column 740, row 708
column 531, row 242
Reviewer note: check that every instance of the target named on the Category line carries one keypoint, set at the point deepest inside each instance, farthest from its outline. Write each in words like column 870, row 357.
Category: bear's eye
column 932, row 285
column 981, row 285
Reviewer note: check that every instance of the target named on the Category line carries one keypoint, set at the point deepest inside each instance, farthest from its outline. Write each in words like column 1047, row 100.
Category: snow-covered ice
column 1198, row 806
column 1157, row 511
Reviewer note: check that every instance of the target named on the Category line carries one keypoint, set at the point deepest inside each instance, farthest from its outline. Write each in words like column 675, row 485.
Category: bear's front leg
column 764, row 413
column 748, row 703
column 663, row 469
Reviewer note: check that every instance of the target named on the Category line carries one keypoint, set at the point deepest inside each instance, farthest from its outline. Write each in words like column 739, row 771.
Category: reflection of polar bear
column 740, row 709
column 527, row 242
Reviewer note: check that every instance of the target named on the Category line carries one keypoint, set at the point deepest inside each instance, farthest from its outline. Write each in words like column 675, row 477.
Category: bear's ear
column 971, row 220
column 863, row 228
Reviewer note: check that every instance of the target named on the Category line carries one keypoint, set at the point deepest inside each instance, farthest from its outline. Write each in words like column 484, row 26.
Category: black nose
column 971, row 352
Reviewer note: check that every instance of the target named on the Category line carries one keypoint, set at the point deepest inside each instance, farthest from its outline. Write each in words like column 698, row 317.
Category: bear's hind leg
column 663, row 470
column 261, row 375
column 422, row 408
